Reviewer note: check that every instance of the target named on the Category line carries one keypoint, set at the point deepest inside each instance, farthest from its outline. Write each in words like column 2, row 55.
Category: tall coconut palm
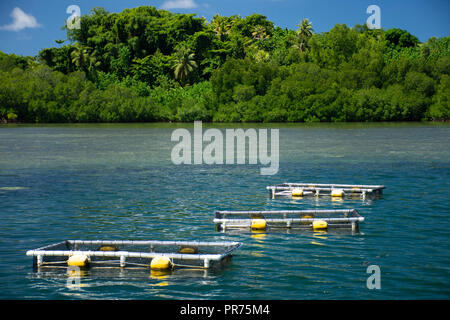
column 183, row 63
column 304, row 32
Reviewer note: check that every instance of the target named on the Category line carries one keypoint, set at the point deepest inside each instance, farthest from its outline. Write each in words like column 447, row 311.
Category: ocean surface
column 111, row 182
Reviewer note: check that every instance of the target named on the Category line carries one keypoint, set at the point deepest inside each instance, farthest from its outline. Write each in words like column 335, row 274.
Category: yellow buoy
column 337, row 193
column 306, row 216
column 108, row 248
column 297, row 192
column 78, row 260
column 319, row 224
column 188, row 250
column 259, row 224
column 160, row 263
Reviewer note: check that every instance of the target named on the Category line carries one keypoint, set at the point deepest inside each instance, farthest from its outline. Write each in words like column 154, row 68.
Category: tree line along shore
column 148, row 65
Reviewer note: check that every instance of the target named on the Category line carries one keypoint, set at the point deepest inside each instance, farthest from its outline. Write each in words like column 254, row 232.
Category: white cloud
column 21, row 20
column 179, row 4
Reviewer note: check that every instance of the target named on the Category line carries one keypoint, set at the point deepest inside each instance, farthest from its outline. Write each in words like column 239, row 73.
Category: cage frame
column 318, row 189
column 45, row 251
column 351, row 218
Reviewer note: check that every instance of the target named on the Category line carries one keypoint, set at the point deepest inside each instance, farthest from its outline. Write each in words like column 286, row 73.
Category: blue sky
column 27, row 26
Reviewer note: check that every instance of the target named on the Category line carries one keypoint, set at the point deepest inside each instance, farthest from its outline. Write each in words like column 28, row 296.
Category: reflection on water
column 117, row 182
column 259, row 235
column 319, row 235
column 11, row 188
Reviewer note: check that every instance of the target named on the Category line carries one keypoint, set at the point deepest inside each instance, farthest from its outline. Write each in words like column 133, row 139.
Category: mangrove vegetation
column 144, row 64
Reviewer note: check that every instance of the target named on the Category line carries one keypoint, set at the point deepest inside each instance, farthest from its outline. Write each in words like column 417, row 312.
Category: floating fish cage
column 299, row 219
column 315, row 189
column 158, row 255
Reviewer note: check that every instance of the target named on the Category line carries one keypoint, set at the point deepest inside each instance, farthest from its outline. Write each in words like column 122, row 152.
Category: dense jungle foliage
column 145, row 64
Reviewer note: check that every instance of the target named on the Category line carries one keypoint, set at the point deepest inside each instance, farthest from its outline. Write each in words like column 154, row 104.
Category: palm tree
column 183, row 63
column 80, row 57
column 261, row 56
column 93, row 63
column 304, row 32
column 259, row 33
column 92, row 68
column 221, row 26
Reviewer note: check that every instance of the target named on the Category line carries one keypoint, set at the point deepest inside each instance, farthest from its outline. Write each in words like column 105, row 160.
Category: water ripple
column 110, row 182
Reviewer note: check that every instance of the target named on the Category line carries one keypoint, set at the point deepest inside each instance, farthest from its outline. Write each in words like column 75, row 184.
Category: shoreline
column 5, row 123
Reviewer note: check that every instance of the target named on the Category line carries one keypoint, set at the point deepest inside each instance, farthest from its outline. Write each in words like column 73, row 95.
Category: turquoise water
column 118, row 182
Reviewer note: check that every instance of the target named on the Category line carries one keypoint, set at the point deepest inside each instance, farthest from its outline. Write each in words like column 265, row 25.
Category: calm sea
column 61, row 182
